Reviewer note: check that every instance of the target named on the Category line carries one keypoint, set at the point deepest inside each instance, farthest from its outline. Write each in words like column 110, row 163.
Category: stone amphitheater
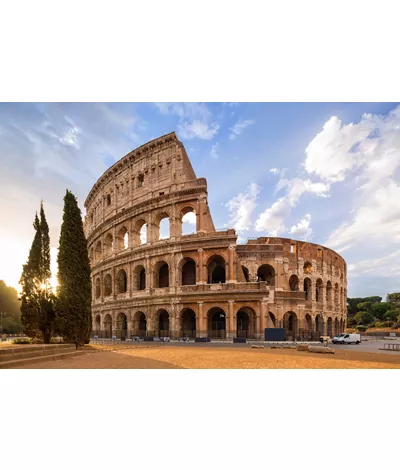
column 201, row 284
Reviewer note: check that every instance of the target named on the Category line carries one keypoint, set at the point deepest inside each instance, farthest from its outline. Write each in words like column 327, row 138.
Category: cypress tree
column 73, row 305
column 46, row 314
column 30, row 284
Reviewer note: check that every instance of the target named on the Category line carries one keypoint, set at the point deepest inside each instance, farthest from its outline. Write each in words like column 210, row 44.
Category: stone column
column 278, row 275
column 200, row 219
column 201, row 332
column 149, row 283
column 263, row 315
column 200, row 268
column 231, row 320
column 231, row 256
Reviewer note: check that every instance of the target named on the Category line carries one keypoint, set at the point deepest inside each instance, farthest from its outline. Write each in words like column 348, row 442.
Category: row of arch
column 216, row 324
column 216, row 273
column 332, row 293
column 161, row 229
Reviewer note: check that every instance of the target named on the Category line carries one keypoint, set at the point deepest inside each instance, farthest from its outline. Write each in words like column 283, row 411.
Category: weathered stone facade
column 203, row 284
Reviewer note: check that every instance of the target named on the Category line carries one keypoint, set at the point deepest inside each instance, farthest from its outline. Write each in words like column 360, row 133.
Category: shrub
column 22, row 341
column 361, row 328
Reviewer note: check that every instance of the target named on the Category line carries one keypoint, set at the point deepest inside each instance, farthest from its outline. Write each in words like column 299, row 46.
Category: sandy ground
column 164, row 357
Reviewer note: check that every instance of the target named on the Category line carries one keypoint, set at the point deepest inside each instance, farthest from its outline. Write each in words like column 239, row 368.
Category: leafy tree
column 391, row 315
column 73, row 305
column 379, row 309
column 394, row 299
column 364, row 318
column 10, row 307
column 364, row 306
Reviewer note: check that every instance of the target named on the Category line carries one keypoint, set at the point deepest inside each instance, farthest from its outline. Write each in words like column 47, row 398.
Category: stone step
column 33, row 360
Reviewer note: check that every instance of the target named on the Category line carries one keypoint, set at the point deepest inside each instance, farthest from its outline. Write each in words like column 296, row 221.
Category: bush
column 361, row 328
column 22, row 341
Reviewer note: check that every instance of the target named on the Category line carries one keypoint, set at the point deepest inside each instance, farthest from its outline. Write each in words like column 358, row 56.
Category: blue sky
column 325, row 172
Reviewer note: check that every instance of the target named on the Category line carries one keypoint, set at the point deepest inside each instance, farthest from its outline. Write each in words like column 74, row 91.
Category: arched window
column 140, row 233
column 246, row 274
column 216, row 270
column 266, row 273
column 307, row 288
column 98, row 253
column 97, row 288
column 108, row 245
column 188, row 221
column 307, row 268
column 161, row 275
column 122, row 239
column 318, row 290
column 294, row 283
column 163, row 227
column 122, row 282
column 189, row 272
column 107, row 285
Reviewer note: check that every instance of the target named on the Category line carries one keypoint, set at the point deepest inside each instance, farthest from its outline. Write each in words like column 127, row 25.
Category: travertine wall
column 202, row 284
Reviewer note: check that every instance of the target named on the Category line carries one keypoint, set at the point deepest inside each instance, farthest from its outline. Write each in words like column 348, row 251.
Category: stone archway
column 122, row 326
column 188, row 323
column 140, row 324
column 162, row 323
column 245, row 323
column 107, row 326
column 216, row 319
column 290, row 324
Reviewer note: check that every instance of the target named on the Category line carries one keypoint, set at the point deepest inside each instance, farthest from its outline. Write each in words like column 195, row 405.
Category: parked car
column 347, row 338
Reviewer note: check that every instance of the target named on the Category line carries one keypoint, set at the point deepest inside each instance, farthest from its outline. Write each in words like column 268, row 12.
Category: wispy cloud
column 239, row 127
column 302, row 230
column 214, row 150
column 242, row 206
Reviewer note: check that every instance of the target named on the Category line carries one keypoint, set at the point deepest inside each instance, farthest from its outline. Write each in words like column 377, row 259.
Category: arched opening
column 341, row 296
column 188, row 221
column 107, row 285
column 216, row 323
column 91, row 256
column 319, row 325
column 246, row 274
column 271, row 320
column 307, row 267
column 122, row 239
column 216, row 270
column 188, row 272
column 290, row 326
column 122, row 326
column 122, row 282
column 329, row 327
column 329, row 291
column 294, row 283
column 188, row 323
column 308, row 322
column 139, row 324
column 139, row 278
column 140, row 232
column 162, row 226
column 107, row 326
column 97, row 325
column 336, row 294
column 341, row 326
column 161, row 273
column 307, row 288
column 336, row 331
column 108, row 245
column 163, row 323
column 97, row 288
column 266, row 273
column 98, row 253
column 318, row 290
column 245, row 323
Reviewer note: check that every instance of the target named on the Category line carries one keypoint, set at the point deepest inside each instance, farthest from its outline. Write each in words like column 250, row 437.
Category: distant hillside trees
column 10, row 309
column 371, row 311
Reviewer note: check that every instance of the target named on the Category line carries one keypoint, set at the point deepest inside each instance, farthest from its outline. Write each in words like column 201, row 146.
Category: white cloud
column 189, row 218
column 196, row 120
column 275, row 171
column 198, row 129
column 214, row 150
column 385, row 266
column 242, row 206
column 371, row 148
column 302, row 230
column 272, row 220
column 239, row 127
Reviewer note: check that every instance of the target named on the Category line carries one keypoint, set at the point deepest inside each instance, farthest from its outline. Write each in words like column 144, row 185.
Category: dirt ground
column 164, row 357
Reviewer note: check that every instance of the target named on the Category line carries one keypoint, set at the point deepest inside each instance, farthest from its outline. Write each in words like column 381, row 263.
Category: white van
column 346, row 338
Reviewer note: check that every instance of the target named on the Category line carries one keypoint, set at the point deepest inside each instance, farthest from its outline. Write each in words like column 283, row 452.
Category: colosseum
column 201, row 284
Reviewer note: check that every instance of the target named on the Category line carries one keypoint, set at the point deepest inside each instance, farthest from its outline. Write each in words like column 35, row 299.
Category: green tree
column 364, row 318
column 379, row 309
column 364, row 306
column 30, row 284
column 46, row 312
column 10, row 307
column 73, row 305
column 392, row 314
column 394, row 299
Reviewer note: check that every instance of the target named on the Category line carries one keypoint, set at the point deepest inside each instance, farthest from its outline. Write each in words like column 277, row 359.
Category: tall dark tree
column 30, row 284
column 46, row 313
column 37, row 313
column 73, row 305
